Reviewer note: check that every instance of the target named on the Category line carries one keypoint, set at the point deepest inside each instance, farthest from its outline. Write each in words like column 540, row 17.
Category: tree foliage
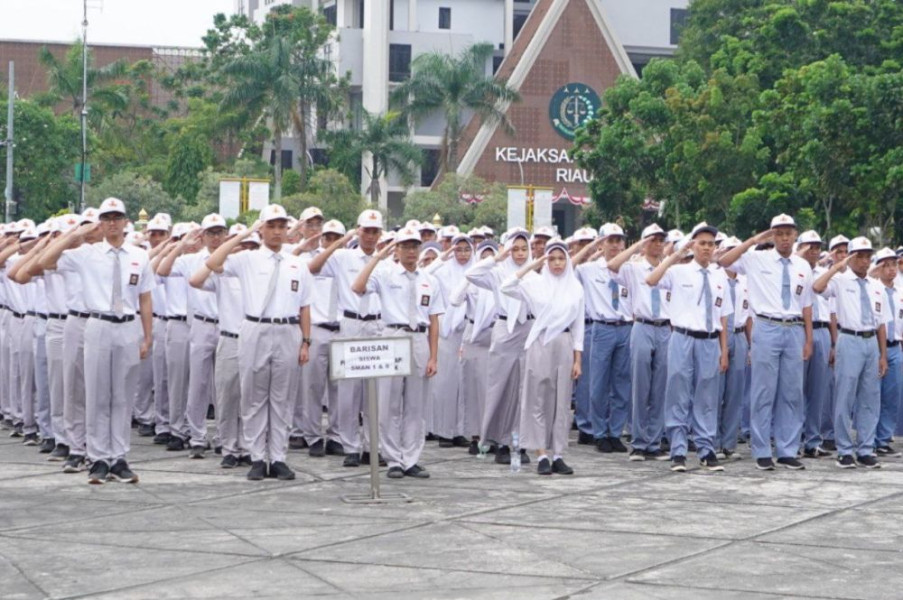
column 446, row 201
column 331, row 192
column 137, row 192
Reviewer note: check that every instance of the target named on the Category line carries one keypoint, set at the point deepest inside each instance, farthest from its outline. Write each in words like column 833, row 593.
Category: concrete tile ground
column 615, row 529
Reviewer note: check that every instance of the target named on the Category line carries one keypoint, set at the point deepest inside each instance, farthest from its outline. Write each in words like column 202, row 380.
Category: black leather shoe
column 365, row 459
column 317, row 449
column 280, row 471
column 352, row 460
column 229, row 462
column 175, row 444
column 474, row 448
column 503, row 455
column 258, row 471
column 544, row 467
column 560, row 467
column 445, row 442
column 296, row 442
column 603, row 445
column 617, row 445
column 47, row 445
column 524, row 457
column 60, row 452
column 585, row 439
column 145, row 430
column 395, row 473
column 460, row 441
column 334, row 448
column 162, row 439
column 418, row 472
column 245, row 461
column 196, row 452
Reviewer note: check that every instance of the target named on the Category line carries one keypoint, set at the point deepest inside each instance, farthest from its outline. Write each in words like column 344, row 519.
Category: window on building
column 391, row 15
column 319, row 157
column 678, row 20
column 360, row 13
column 429, row 168
column 399, row 62
column 331, row 15
column 496, row 63
column 286, row 159
column 444, row 18
column 519, row 20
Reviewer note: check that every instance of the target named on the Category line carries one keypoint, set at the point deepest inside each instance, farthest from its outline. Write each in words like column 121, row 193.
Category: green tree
column 446, row 201
column 385, row 141
column 189, row 155
column 65, row 81
column 456, row 86
column 46, row 150
column 330, row 191
column 138, row 192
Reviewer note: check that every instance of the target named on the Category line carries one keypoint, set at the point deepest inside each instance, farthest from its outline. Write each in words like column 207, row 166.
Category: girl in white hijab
column 506, row 350
column 481, row 315
column 554, row 347
column 445, row 393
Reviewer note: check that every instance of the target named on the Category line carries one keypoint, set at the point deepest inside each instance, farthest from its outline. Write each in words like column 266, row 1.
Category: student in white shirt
column 861, row 357
column 276, row 288
column 411, row 303
column 554, row 348
column 116, row 284
column 885, row 271
column 697, row 352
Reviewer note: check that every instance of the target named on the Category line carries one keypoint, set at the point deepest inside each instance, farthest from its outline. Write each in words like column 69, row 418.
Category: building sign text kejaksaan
column 564, row 173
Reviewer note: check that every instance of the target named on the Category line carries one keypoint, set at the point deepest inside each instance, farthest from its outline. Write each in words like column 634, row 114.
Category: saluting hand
column 505, row 253
column 311, row 243
column 386, row 251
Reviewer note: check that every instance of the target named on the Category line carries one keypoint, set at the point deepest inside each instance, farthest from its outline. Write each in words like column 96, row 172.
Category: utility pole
column 9, row 139
column 84, row 115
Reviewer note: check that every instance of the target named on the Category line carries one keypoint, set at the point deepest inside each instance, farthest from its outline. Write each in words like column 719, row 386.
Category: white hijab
column 512, row 306
column 557, row 300
column 450, row 276
column 485, row 307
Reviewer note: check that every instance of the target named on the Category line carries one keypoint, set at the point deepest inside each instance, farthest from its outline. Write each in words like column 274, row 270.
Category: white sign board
column 542, row 208
column 258, row 195
column 369, row 357
column 229, row 199
column 517, row 208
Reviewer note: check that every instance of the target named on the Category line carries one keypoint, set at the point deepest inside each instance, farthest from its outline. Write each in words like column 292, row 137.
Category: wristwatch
column 306, row 341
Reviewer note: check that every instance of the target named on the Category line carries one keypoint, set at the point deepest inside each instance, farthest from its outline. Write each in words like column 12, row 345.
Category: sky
column 134, row 22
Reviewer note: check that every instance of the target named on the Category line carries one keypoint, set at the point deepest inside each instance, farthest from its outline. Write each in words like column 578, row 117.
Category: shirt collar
column 107, row 246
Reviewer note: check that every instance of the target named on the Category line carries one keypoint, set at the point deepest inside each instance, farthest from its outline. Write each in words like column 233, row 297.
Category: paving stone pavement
column 615, row 529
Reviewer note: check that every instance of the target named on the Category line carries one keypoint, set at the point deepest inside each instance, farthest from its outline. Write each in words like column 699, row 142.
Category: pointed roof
column 562, row 42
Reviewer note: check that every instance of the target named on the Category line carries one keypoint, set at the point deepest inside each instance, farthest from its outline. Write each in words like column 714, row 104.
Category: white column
column 509, row 25
column 376, row 75
column 413, row 21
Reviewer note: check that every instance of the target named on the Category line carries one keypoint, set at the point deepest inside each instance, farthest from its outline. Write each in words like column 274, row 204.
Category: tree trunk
column 375, row 190
column 302, row 143
column 277, row 165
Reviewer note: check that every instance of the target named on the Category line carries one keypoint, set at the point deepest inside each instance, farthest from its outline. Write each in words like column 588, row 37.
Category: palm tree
column 455, row 85
column 65, row 81
column 385, row 142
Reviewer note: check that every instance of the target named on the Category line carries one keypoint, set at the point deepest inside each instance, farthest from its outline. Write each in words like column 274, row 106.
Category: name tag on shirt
column 133, row 279
column 425, row 300
column 623, row 292
column 718, row 302
column 799, row 290
column 877, row 307
column 745, row 305
column 294, row 285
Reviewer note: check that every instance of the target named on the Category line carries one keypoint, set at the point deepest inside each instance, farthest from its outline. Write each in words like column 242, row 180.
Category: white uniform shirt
column 39, row 301
column 686, row 295
column 324, row 307
column 599, row 296
column 227, row 291
column 893, row 313
column 253, row 268
column 158, row 295
column 94, row 265
column 176, row 296
column 55, row 288
column 20, row 298
column 821, row 306
column 632, row 276
column 741, row 306
column 393, row 286
column 765, row 271
column 200, row 303
column 344, row 266
column 845, row 289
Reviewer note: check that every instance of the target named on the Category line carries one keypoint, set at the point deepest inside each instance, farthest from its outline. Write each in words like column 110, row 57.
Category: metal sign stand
column 338, row 372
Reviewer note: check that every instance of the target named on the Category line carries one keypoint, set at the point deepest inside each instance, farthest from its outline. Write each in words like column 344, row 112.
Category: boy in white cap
column 157, row 232
column 885, row 271
column 411, row 304
column 276, row 289
column 837, row 252
column 697, row 351
column 818, row 389
column 203, row 329
column 359, row 316
column 648, row 343
column 861, row 358
column 317, row 389
column 780, row 294
column 116, row 283
column 603, row 394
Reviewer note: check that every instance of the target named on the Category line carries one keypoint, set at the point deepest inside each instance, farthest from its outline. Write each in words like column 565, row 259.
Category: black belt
column 228, row 334
column 354, row 315
column 177, row 318
column 654, row 323
column 18, row 315
column 699, row 335
column 505, row 317
column 33, row 313
column 206, row 319
column 739, row 329
column 607, row 322
column 59, row 316
column 863, row 334
column 280, row 321
column 328, row 326
column 893, row 344
column 819, row 325
column 161, row 317
column 81, row 315
column 787, row 321
column 4, row 307
column 420, row 328
column 113, row 318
